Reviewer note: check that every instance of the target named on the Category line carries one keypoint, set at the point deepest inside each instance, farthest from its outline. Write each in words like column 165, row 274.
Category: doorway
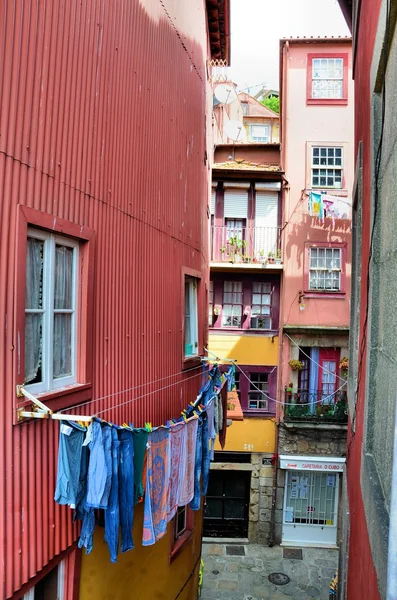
column 227, row 504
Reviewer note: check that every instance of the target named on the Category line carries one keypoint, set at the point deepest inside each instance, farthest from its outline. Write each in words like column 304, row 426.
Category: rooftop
column 245, row 165
column 337, row 39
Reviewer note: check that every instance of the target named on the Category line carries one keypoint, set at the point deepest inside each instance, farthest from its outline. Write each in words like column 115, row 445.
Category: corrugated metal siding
column 102, row 123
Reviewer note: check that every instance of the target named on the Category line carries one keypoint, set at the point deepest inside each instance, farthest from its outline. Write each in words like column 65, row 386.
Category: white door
column 310, row 508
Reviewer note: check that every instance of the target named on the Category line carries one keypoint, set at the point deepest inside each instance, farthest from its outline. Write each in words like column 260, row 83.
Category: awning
column 312, row 463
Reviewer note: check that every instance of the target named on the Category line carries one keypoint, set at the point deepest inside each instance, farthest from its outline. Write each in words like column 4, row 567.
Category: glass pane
column 234, row 509
column 34, row 273
column 33, row 348
column 235, row 487
column 214, row 508
column 63, row 294
column 62, row 358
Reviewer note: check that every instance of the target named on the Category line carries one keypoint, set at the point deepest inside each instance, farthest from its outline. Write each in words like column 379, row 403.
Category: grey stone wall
column 260, row 510
column 314, row 441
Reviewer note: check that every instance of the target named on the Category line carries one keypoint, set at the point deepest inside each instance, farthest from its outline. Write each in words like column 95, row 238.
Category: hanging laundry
column 68, row 484
column 316, row 208
column 177, row 466
column 212, row 409
column 342, row 208
column 112, row 512
column 126, row 487
column 222, row 433
column 157, row 478
column 187, row 488
column 207, row 445
column 140, row 437
column 198, row 461
column 97, row 468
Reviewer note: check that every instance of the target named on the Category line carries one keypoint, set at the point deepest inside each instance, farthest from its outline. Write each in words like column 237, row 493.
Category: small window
column 180, row 522
column 244, row 106
column 261, row 306
column 327, row 78
column 260, row 133
column 327, row 166
column 325, row 269
column 50, row 311
column 258, row 386
column 232, row 304
column 237, row 381
column 191, row 317
column 211, row 304
column 49, row 587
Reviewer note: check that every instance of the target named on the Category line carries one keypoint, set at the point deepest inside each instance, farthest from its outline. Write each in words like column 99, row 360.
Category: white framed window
column 261, row 304
column 327, row 166
column 327, row 78
column 232, row 312
column 325, row 269
column 259, row 385
column 260, row 133
column 51, row 304
column 191, row 317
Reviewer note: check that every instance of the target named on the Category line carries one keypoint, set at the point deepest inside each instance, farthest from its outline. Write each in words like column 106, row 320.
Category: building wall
column 134, row 572
column 302, row 124
column 87, row 88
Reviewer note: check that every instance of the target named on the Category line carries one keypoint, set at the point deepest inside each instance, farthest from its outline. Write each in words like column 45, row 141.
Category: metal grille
column 311, row 498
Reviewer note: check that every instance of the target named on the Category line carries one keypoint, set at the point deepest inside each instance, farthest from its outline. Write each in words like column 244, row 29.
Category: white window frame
column 260, row 139
column 262, row 403
column 325, row 269
column 192, row 283
column 326, row 167
column 326, row 78
column 48, row 382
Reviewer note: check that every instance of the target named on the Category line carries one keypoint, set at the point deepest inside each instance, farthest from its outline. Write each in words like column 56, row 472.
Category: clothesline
column 312, row 359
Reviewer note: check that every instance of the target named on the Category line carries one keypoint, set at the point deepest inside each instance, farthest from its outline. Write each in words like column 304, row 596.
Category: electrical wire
column 312, row 359
column 132, row 389
column 266, row 395
column 145, row 395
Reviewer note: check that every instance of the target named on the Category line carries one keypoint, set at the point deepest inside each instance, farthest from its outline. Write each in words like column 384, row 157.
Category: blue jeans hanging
column 126, row 487
column 196, row 502
column 206, row 454
column 112, row 512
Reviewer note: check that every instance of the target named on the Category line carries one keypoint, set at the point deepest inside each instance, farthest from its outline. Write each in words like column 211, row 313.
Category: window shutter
column 212, row 204
column 266, row 209
column 236, row 204
column 266, row 220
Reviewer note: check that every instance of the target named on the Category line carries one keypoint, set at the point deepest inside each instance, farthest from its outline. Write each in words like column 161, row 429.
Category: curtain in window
column 34, row 310
column 63, row 312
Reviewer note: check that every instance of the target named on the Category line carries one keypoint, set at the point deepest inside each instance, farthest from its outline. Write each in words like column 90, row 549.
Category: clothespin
column 184, row 416
column 106, row 422
column 126, row 426
column 199, row 407
column 148, row 426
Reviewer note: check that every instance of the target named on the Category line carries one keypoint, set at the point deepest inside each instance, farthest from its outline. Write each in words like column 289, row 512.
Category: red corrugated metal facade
column 102, row 124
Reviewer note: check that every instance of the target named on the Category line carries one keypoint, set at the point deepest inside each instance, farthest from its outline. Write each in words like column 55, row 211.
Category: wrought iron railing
column 246, row 244
column 319, row 406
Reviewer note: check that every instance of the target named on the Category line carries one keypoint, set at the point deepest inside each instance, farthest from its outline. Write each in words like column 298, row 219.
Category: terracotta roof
column 235, row 413
column 244, row 165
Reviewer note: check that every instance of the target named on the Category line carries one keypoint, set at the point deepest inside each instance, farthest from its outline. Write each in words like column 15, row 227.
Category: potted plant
column 278, row 257
column 344, row 366
column 270, row 258
column 296, row 365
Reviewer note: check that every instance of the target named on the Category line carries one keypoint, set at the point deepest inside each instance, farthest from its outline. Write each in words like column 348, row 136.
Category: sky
column 257, row 26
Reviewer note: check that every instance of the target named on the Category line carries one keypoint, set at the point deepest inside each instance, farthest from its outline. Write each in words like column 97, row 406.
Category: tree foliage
column 273, row 103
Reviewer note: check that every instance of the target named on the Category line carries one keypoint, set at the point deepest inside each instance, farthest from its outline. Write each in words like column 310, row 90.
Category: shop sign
column 312, row 463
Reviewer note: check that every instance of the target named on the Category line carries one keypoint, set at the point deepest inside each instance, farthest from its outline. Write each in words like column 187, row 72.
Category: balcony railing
column 307, row 405
column 246, row 245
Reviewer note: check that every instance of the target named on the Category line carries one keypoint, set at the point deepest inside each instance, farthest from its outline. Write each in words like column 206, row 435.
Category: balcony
column 242, row 246
column 317, row 406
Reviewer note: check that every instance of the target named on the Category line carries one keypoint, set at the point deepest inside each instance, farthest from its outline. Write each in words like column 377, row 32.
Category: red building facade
column 103, row 159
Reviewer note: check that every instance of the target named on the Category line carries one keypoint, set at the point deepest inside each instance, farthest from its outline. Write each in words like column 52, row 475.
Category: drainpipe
column 392, row 557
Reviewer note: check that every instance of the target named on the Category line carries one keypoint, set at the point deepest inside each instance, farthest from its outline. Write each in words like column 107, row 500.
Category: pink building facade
column 316, row 93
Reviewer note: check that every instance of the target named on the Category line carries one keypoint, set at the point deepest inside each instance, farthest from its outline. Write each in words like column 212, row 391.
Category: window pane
column 34, row 274
column 63, row 293
column 33, row 348
column 62, row 359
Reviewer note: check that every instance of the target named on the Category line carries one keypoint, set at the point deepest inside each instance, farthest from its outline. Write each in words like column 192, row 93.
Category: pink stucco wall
column 302, row 125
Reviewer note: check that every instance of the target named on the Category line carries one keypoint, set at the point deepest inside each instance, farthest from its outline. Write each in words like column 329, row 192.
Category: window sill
column 190, row 362
column 180, row 544
column 268, row 332
column 324, row 294
column 327, row 101
column 258, row 413
column 61, row 398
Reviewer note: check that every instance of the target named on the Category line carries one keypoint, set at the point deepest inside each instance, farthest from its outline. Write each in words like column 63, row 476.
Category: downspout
column 392, row 556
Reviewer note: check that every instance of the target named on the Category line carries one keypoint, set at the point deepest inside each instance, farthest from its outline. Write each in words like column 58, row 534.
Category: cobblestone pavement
column 246, row 577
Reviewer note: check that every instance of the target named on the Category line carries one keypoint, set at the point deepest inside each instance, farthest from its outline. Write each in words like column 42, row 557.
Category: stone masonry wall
column 260, row 510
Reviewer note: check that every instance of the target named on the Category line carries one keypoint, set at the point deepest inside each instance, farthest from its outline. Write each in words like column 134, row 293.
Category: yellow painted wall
column 250, row 435
column 275, row 132
column 246, row 349
column 143, row 573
